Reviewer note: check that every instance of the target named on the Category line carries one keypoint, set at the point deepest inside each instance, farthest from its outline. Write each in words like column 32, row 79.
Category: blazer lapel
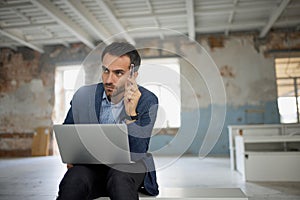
column 98, row 98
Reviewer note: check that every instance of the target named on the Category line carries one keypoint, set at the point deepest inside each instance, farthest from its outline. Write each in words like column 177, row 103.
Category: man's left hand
column 131, row 96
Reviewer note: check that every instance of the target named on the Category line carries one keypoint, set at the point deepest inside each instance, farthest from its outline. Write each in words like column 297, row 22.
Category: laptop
column 93, row 143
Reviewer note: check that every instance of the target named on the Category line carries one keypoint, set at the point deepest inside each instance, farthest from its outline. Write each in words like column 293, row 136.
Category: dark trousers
column 120, row 182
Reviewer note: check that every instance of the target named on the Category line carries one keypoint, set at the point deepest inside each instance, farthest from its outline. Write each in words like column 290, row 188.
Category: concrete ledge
column 196, row 194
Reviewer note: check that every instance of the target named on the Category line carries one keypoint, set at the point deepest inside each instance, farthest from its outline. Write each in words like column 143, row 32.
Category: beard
column 114, row 92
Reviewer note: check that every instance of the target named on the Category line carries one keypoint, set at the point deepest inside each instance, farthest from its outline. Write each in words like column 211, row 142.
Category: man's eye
column 105, row 70
column 119, row 73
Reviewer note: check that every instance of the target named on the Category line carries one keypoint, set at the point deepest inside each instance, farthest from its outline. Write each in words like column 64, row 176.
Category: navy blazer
column 85, row 109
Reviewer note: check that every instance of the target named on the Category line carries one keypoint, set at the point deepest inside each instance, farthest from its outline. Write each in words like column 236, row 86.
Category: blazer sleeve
column 69, row 118
column 139, row 137
column 140, row 131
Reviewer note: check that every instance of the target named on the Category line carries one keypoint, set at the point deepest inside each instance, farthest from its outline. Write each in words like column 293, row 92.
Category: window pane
column 298, row 86
column 287, row 109
column 70, row 78
column 287, row 67
column 285, row 87
column 298, row 97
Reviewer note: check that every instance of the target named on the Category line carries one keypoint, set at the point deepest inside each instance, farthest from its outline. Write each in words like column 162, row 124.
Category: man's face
column 114, row 75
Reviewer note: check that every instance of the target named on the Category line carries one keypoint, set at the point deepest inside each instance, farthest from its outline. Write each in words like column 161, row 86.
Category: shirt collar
column 104, row 97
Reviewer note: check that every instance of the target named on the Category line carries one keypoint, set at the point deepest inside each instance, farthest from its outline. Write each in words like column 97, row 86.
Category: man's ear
column 136, row 74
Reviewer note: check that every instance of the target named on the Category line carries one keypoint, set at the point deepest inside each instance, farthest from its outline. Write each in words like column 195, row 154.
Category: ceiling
column 36, row 23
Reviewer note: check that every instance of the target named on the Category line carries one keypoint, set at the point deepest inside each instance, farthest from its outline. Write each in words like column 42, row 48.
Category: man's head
column 116, row 61
column 123, row 49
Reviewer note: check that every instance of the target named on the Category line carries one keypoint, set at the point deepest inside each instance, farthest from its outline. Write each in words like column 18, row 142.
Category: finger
column 130, row 95
column 131, row 89
column 69, row 166
column 128, row 84
column 131, row 81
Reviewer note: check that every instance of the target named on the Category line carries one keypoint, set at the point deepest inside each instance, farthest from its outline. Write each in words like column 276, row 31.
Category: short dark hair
column 121, row 49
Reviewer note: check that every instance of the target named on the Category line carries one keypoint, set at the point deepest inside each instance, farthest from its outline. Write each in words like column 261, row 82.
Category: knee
column 77, row 177
column 117, row 178
column 120, row 185
column 76, row 184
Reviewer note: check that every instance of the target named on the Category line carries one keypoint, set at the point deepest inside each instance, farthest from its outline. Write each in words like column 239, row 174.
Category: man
column 118, row 99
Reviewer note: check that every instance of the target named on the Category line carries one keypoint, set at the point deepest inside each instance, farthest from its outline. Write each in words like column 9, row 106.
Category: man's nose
column 110, row 78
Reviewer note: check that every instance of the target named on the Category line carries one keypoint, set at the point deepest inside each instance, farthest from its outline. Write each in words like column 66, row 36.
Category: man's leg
column 123, row 184
column 79, row 182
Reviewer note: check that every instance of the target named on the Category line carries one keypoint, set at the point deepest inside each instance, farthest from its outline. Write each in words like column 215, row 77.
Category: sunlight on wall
column 162, row 77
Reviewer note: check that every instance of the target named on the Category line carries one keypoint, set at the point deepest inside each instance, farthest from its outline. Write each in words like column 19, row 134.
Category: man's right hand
column 69, row 165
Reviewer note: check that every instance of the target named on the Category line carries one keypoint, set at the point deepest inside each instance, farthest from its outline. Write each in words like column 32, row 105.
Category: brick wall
column 27, row 81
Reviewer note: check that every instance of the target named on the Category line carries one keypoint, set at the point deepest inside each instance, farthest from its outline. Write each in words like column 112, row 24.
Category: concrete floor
column 38, row 178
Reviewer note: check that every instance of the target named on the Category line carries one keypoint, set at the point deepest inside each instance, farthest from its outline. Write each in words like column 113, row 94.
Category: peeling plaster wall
column 28, row 107
column 25, row 99
column 249, row 77
column 250, row 85
column 27, row 93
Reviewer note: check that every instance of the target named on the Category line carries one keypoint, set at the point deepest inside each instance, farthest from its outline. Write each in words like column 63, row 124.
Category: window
column 162, row 77
column 288, row 88
column 67, row 81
